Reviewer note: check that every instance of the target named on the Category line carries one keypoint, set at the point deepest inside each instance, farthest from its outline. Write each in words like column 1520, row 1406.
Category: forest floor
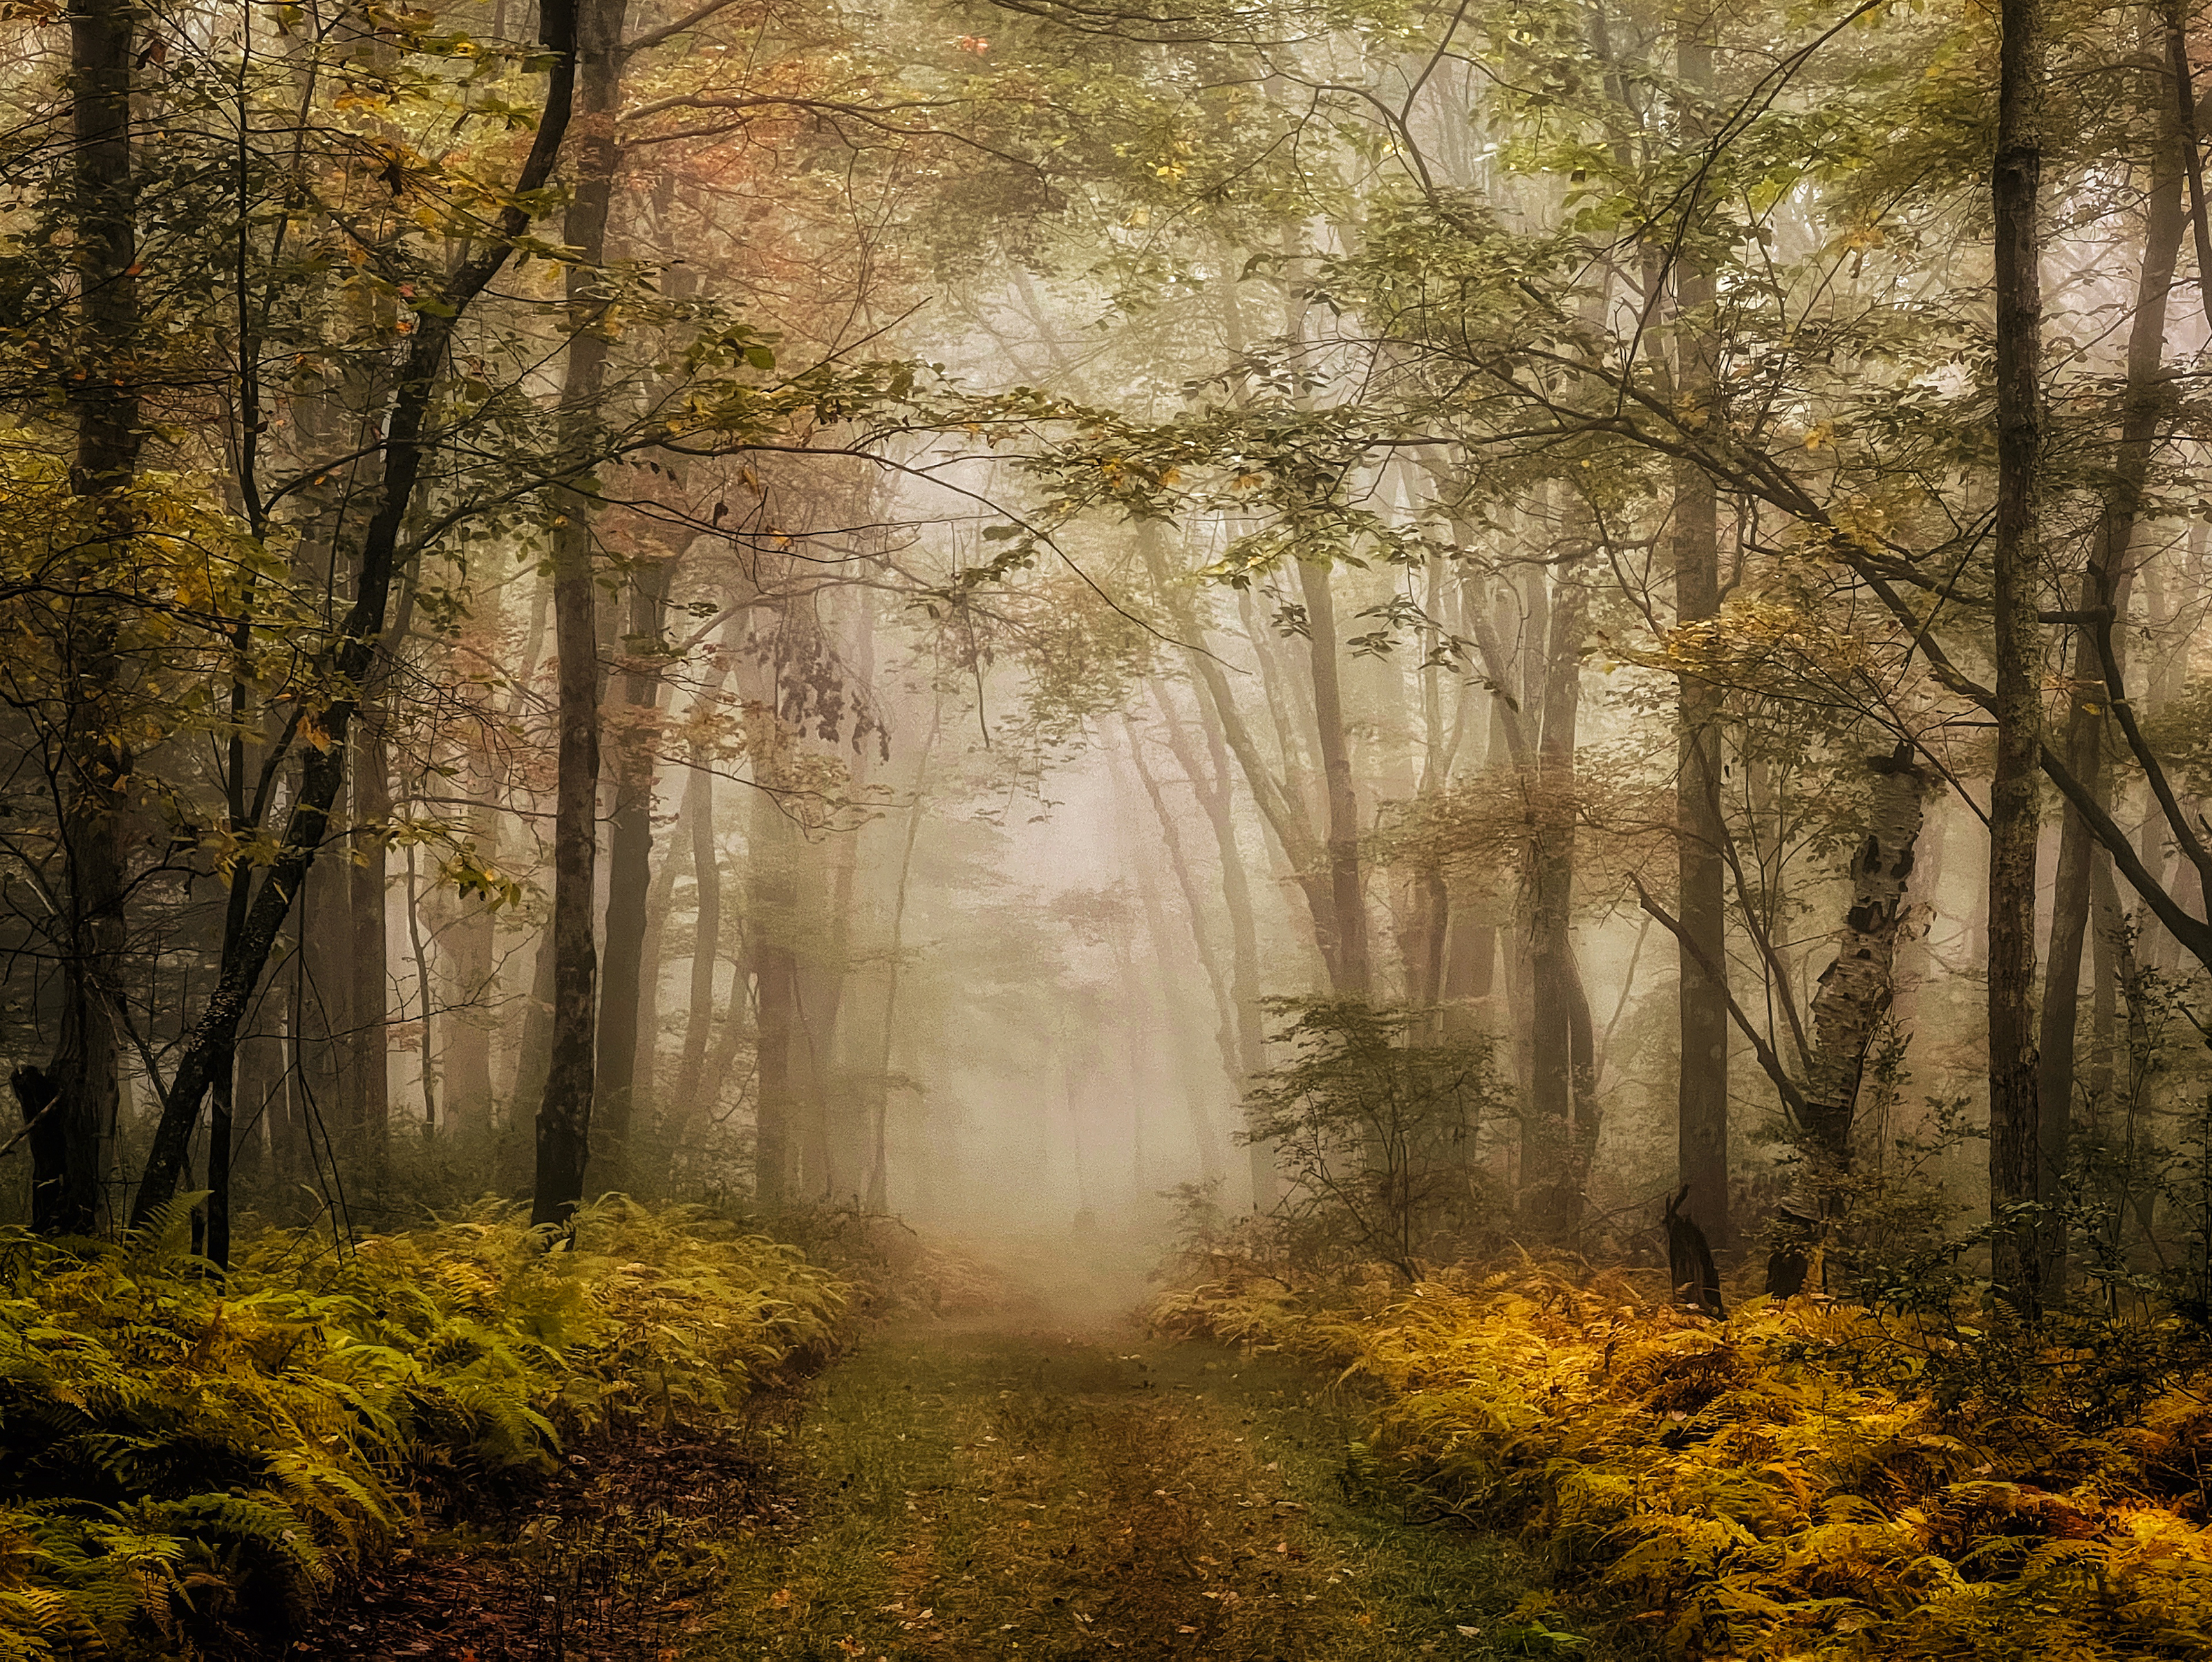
column 1041, row 1480
column 1046, row 1483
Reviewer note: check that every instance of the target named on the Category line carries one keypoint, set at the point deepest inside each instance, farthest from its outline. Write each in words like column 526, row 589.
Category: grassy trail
column 1017, row 1489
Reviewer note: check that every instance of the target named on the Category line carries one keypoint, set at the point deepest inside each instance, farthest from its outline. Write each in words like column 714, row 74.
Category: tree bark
column 1702, row 1081
column 2016, row 705
column 625, row 1057
column 368, row 1053
column 564, row 1113
column 706, row 936
column 1855, row 991
column 1279, row 806
column 82, row 1070
column 1217, row 981
column 1187, row 1071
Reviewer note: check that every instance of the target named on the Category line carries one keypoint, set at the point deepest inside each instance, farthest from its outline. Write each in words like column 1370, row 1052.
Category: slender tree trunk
column 1702, row 1087
column 2105, row 585
column 707, row 935
column 260, row 1091
column 1232, row 1062
column 1212, row 785
column 564, row 1113
column 1558, row 1126
column 879, row 1164
column 1189, row 1072
column 1280, row 805
column 2014, row 1118
column 367, row 1091
column 624, row 1059
column 831, row 1148
column 468, row 949
column 768, row 923
column 1347, row 900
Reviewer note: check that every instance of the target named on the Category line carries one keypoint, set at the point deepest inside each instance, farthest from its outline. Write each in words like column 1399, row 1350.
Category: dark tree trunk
column 564, row 1113
column 2016, row 705
column 1702, row 1082
column 368, row 1053
column 83, row 1070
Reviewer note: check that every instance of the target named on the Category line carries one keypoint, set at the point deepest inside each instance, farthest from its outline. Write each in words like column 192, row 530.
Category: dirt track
column 1039, row 1484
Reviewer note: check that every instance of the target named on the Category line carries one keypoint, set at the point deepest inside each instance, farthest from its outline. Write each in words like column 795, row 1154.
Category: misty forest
column 1333, row 829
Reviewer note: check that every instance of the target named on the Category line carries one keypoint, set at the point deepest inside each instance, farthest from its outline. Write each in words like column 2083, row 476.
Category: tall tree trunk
column 468, row 948
column 1702, row 1084
column 1211, row 782
column 769, row 923
column 624, row 1063
column 833, row 1145
column 879, row 1166
column 368, row 1092
column 1232, row 1061
column 81, row 1073
column 2105, row 585
column 697, row 816
column 564, row 1113
column 1559, row 1127
column 2016, row 705
column 1347, row 900
column 1190, row 1073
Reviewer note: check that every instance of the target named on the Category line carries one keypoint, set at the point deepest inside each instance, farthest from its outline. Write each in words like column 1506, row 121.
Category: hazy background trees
column 782, row 605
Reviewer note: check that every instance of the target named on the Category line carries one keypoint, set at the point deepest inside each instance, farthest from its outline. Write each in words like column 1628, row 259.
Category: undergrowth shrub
column 180, row 1456
column 1807, row 1479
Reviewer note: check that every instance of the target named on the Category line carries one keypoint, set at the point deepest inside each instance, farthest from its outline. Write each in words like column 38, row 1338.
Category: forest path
column 1022, row 1487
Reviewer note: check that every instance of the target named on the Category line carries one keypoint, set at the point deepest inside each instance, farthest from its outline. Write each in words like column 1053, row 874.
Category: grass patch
column 966, row 1492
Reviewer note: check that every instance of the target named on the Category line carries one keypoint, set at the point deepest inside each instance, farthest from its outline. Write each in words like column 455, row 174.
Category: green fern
column 178, row 1447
